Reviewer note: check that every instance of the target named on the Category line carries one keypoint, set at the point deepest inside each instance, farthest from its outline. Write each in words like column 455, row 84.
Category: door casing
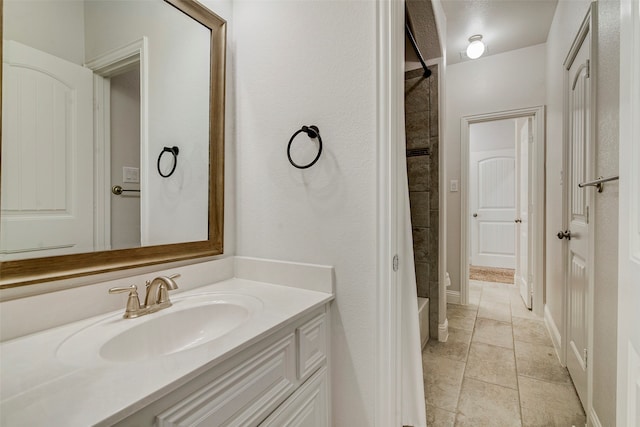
column 537, row 114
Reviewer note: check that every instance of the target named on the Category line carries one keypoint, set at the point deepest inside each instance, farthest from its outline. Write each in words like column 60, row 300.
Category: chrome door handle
column 564, row 235
column 518, row 221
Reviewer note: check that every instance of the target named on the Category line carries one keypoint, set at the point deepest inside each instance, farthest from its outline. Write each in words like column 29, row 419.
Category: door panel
column 578, row 246
column 492, row 198
column 47, row 187
column 523, row 200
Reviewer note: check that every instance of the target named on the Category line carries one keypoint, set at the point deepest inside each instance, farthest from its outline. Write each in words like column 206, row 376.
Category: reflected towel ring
column 174, row 151
column 313, row 132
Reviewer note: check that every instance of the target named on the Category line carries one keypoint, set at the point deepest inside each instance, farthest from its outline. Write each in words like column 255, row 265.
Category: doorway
column 121, row 84
column 503, row 201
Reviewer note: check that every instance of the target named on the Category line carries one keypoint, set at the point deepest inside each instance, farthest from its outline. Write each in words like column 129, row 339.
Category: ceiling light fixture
column 476, row 47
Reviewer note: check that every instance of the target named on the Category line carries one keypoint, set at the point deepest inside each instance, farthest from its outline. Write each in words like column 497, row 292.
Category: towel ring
column 174, row 151
column 312, row 132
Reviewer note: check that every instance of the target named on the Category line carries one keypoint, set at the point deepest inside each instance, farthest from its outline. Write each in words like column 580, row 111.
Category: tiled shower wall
column 421, row 120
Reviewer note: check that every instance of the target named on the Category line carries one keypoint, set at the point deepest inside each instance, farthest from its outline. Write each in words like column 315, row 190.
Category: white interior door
column 628, row 392
column 579, row 257
column 47, row 162
column 493, row 208
column 524, row 227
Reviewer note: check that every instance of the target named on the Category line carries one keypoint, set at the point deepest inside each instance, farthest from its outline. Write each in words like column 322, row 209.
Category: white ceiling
column 504, row 24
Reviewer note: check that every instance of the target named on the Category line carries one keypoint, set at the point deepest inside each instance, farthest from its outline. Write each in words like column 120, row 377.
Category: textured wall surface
column 421, row 121
column 606, row 214
column 304, row 63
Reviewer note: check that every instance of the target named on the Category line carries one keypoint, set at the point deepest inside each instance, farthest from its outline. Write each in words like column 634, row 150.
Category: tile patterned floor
column 498, row 368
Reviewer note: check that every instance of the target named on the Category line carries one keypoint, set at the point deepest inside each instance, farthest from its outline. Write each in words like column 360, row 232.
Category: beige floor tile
column 483, row 404
column 490, row 331
column 518, row 309
column 492, row 364
column 540, row 362
column 500, row 311
column 461, row 316
column 548, row 404
column 531, row 331
column 493, row 294
column 475, row 285
column 456, row 347
column 437, row 417
column 442, row 381
column 474, row 297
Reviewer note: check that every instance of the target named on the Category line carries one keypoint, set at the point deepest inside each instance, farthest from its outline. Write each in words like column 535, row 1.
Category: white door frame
column 628, row 363
column 105, row 66
column 536, row 217
column 390, row 108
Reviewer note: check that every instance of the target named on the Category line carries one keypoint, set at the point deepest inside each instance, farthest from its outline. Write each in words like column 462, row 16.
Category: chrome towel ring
column 312, row 132
column 174, row 152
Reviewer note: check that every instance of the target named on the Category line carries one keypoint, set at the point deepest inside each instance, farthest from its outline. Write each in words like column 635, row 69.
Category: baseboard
column 592, row 419
column 443, row 331
column 556, row 338
column 453, row 297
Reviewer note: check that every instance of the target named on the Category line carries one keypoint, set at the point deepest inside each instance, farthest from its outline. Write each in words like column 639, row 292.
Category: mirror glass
column 105, row 127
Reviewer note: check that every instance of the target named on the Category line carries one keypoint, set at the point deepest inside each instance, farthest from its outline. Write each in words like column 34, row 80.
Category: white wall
column 495, row 83
column 178, row 85
column 494, row 135
column 606, row 214
column 303, row 63
column 55, row 27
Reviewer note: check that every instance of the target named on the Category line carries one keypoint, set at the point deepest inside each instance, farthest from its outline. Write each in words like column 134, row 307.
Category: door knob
column 475, row 215
column 518, row 220
column 564, row 235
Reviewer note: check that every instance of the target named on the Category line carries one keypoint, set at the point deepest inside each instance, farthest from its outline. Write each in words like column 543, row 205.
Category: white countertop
column 38, row 389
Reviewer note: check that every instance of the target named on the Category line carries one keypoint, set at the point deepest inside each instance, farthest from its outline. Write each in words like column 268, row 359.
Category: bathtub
column 423, row 319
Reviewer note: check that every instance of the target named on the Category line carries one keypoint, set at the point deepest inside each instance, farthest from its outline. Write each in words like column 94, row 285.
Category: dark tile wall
column 421, row 121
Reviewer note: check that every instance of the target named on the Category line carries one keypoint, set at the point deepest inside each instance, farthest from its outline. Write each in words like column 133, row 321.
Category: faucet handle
column 119, row 290
column 133, row 302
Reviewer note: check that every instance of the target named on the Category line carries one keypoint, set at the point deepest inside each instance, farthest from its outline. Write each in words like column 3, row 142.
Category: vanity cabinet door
column 307, row 407
column 242, row 397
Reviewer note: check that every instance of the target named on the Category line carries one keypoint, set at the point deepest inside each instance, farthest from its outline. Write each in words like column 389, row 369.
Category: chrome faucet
column 157, row 296
column 156, row 299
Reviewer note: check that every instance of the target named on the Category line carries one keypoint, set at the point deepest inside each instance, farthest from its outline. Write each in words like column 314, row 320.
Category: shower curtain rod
column 427, row 72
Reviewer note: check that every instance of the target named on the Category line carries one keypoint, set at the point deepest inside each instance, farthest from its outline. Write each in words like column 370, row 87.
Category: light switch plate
column 130, row 175
column 453, row 185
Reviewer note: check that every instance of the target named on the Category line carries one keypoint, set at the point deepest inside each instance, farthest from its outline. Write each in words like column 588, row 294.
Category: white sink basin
column 191, row 321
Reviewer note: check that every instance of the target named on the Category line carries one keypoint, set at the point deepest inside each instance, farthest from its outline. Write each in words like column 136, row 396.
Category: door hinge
column 530, row 139
column 588, row 68
column 396, row 262
column 586, row 358
column 587, row 214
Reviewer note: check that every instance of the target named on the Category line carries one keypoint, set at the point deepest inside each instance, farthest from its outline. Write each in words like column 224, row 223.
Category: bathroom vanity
column 239, row 352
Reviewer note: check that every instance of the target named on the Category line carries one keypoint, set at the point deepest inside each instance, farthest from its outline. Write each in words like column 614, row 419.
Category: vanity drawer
column 243, row 396
column 309, row 405
column 312, row 345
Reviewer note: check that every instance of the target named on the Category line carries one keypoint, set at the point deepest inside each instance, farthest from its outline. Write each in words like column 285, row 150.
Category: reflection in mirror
column 108, row 83
column 92, row 92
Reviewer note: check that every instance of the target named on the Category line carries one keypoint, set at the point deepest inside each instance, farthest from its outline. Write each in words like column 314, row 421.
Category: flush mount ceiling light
column 476, row 47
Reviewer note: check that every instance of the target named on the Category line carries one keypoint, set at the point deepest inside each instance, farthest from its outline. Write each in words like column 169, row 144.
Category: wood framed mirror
column 37, row 269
